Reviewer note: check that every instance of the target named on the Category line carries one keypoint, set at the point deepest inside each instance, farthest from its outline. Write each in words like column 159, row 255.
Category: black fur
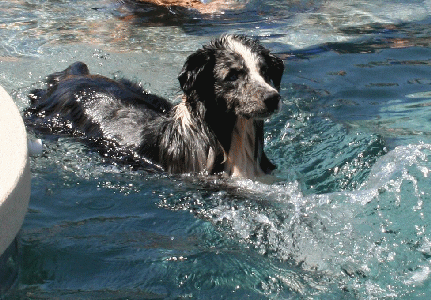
column 126, row 123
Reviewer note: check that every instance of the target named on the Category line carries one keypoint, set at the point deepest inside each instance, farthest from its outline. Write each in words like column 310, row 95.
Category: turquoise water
column 349, row 217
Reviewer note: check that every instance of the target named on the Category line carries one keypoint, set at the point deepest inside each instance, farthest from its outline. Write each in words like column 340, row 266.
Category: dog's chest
column 242, row 160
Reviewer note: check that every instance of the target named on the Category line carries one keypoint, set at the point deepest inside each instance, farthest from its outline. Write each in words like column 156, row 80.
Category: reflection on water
column 349, row 216
column 27, row 26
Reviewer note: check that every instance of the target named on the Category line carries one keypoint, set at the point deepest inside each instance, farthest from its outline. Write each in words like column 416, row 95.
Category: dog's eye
column 233, row 75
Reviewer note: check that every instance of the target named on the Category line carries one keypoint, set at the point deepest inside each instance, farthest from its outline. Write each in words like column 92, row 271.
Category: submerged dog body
column 230, row 86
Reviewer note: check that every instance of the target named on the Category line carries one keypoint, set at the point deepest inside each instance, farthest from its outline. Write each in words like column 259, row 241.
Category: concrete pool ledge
column 14, row 173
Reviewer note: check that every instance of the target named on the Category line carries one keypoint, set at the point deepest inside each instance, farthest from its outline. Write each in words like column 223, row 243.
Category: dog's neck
column 242, row 160
column 235, row 149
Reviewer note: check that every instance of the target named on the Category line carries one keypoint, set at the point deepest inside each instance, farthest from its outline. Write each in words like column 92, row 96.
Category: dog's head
column 234, row 74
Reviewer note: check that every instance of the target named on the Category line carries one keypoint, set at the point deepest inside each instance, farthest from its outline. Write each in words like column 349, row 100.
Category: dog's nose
column 272, row 101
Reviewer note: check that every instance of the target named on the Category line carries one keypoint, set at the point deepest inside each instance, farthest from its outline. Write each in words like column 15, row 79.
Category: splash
column 372, row 241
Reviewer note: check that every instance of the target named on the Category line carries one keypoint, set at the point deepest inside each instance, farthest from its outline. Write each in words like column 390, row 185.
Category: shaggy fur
column 230, row 86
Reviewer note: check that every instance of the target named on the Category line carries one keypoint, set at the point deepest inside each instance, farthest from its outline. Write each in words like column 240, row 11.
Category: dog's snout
column 272, row 101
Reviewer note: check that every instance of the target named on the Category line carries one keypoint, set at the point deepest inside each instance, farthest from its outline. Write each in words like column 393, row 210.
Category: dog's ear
column 275, row 70
column 192, row 76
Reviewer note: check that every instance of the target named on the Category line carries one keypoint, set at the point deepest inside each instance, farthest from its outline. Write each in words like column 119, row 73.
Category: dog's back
column 109, row 114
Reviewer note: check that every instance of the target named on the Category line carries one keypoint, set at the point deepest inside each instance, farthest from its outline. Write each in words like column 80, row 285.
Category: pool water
column 349, row 217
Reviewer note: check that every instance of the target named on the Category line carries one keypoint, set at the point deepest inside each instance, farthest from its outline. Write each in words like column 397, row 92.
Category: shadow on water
column 377, row 82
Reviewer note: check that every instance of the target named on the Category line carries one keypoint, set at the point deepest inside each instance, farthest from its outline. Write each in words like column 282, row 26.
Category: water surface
column 349, row 216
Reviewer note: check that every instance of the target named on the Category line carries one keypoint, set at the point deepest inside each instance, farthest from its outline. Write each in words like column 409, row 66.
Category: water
column 349, row 217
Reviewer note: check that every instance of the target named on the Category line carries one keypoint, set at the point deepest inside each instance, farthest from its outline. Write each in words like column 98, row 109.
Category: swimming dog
column 230, row 86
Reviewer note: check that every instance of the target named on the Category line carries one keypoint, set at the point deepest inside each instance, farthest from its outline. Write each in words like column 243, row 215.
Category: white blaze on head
column 251, row 60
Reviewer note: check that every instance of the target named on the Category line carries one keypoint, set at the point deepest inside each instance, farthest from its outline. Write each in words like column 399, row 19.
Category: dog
column 230, row 86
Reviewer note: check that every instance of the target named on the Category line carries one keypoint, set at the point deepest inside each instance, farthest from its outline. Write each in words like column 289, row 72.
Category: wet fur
column 230, row 86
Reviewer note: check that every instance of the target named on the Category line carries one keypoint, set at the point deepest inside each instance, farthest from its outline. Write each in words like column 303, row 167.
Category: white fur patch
column 183, row 114
column 251, row 60
column 241, row 161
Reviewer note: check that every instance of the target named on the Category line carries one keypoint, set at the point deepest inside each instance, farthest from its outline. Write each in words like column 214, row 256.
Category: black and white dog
column 230, row 86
